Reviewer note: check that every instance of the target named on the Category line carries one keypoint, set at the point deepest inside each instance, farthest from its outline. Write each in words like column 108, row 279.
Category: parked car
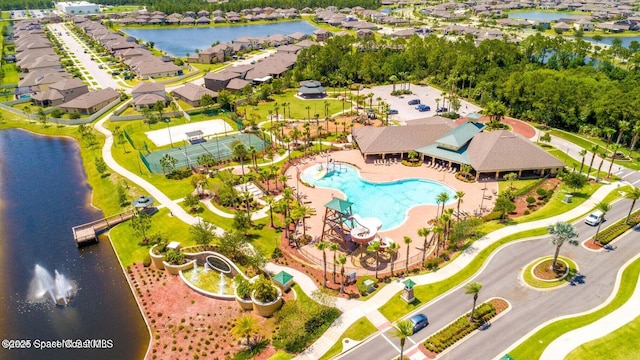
column 414, row 102
column 419, row 321
column 392, row 112
column 423, row 108
column 442, row 109
column 594, row 218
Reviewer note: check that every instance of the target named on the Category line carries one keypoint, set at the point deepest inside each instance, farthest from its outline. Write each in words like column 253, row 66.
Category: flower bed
column 610, row 233
column 460, row 328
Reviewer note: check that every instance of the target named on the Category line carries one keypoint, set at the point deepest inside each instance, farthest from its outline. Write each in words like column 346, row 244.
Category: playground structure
column 350, row 230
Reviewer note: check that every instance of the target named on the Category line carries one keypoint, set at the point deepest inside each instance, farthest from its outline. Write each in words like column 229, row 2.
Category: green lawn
column 618, row 345
column 395, row 308
column 359, row 330
column 533, row 347
column 296, row 110
column 10, row 74
column 587, row 142
column 537, row 283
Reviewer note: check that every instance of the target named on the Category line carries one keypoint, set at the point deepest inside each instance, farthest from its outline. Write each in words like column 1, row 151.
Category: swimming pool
column 390, row 202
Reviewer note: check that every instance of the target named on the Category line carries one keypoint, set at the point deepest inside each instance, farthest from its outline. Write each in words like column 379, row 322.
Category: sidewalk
column 370, row 307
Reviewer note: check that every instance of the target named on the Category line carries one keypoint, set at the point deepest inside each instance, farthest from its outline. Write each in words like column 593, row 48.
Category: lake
column 44, row 192
column 180, row 41
column 542, row 15
column 626, row 40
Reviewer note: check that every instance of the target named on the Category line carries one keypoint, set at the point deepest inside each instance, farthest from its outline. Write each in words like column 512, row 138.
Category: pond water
column 626, row 40
column 180, row 41
column 542, row 15
column 44, row 193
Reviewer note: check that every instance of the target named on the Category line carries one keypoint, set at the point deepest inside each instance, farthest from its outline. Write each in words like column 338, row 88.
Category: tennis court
column 219, row 147
column 177, row 134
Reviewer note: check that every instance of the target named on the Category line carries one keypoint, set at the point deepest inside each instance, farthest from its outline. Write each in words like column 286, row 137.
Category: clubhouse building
column 440, row 142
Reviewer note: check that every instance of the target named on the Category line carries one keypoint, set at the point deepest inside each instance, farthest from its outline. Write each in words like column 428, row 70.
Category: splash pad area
column 211, row 275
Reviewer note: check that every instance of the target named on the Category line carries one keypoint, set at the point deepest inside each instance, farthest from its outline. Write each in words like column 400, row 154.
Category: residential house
column 192, row 94
column 219, row 80
column 91, row 102
column 321, row 34
column 147, row 94
column 60, row 92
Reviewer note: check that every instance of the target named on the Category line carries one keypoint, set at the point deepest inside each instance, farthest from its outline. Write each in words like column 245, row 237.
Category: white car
column 594, row 218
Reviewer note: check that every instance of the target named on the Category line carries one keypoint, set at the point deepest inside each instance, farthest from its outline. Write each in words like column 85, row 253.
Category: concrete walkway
column 370, row 307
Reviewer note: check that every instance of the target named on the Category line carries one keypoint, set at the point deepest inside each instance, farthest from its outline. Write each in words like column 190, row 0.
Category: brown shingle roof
column 503, row 151
column 194, row 92
column 396, row 139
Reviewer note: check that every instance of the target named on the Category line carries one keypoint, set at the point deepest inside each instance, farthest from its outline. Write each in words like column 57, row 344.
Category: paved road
column 530, row 307
column 573, row 150
column 76, row 47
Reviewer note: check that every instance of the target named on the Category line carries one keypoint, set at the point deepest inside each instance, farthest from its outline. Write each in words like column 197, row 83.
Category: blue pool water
column 390, row 202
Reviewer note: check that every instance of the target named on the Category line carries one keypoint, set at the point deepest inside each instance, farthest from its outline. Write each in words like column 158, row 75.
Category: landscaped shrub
column 618, row 228
column 432, row 263
column 542, row 193
column 179, row 174
column 175, row 257
column 243, row 287
column 460, row 328
column 147, row 260
column 530, row 200
column 494, row 215
column 264, row 290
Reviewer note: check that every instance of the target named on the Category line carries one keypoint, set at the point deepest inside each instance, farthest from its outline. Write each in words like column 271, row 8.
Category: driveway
column 426, row 94
column 529, row 307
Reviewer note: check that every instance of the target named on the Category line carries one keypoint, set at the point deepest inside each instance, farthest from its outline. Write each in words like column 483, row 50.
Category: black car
column 441, row 109
column 414, row 102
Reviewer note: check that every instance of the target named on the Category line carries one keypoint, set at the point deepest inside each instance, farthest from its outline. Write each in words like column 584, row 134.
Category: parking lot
column 426, row 94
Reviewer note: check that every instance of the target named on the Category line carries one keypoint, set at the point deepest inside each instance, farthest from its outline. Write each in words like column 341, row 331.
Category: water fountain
column 194, row 274
column 59, row 289
column 206, row 267
column 222, row 284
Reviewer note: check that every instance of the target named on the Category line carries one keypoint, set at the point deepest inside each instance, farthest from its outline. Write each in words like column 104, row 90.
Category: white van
column 594, row 218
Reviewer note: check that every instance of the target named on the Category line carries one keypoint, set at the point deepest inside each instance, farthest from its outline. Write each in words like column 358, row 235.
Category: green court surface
column 220, row 148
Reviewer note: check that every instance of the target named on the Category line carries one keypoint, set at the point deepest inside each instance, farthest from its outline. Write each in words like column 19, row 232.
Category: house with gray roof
column 147, row 94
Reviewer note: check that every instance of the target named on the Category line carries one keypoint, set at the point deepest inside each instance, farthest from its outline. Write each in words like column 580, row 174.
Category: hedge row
column 618, row 228
column 460, row 328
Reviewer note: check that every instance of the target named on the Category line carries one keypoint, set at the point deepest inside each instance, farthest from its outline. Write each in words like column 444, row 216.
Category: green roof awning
column 342, row 206
column 409, row 284
column 474, row 116
column 283, row 278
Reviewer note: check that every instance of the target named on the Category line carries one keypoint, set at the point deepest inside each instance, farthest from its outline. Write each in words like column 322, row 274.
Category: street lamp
column 297, row 183
column 482, row 201
column 169, row 130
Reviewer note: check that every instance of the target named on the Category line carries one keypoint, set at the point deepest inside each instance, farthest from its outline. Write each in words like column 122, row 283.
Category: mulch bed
column 521, row 203
column 543, row 270
column 185, row 324
column 589, row 244
column 499, row 304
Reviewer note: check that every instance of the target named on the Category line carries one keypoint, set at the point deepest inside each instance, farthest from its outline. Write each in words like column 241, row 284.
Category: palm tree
column 614, row 151
column 402, row 330
column 424, row 232
column 270, row 201
column 603, row 156
column 240, row 152
column 374, row 247
column 473, row 288
column 334, row 247
column 634, row 195
column 605, row 207
column 245, row 326
column 582, row 153
column 563, row 232
column 342, row 259
column 393, row 79
column 443, row 197
column 594, row 151
column 407, row 241
column 323, row 245
column 304, row 211
column 458, row 196
column 393, row 251
column 437, row 232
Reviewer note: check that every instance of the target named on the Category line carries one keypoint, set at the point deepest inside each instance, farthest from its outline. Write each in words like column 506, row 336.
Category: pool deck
column 418, row 216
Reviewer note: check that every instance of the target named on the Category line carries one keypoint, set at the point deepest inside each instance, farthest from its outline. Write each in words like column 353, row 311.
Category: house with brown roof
column 192, row 94
column 60, row 92
column 91, row 102
column 490, row 154
column 147, row 94
column 213, row 54
column 219, row 80
column 322, row 34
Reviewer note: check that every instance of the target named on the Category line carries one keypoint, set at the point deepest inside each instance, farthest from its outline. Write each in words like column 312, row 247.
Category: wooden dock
column 88, row 233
